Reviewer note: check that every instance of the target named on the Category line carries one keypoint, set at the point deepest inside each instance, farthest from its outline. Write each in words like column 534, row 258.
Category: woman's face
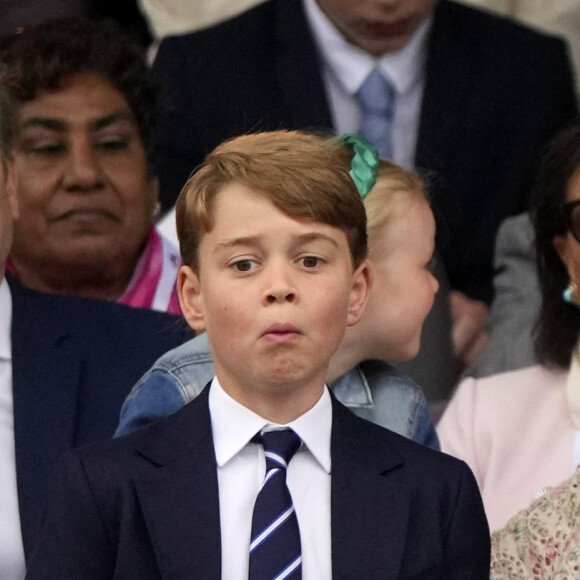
column 567, row 246
column 85, row 192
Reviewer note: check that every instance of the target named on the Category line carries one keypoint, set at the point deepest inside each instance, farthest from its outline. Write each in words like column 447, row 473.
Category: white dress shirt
column 345, row 67
column 241, row 468
column 11, row 549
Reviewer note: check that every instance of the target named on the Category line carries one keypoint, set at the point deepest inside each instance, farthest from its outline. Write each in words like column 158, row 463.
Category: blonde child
column 401, row 233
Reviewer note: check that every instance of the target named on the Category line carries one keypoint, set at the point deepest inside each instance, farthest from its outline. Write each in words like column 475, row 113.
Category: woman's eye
column 112, row 145
column 243, row 265
column 47, row 149
column 310, row 261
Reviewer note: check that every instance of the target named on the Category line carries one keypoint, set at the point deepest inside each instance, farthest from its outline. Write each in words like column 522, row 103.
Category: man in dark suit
column 476, row 99
column 494, row 92
column 66, row 365
column 190, row 496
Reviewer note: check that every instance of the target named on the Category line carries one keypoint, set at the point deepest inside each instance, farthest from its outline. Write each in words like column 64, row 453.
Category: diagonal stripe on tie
column 275, row 552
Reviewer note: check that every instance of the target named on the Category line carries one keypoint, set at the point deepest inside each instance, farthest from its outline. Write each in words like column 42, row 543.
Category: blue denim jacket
column 373, row 390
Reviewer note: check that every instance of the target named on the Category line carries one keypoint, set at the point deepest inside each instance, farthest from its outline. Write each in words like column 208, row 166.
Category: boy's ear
column 362, row 282
column 190, row 298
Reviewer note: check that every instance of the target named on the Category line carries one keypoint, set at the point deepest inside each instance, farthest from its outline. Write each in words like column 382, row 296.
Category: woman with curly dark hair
column 86, row 188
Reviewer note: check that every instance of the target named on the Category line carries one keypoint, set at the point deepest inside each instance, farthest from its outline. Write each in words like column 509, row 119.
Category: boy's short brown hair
column 303, row 175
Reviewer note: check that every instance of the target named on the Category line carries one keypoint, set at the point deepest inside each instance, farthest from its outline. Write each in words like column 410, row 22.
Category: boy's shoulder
column 112, row 461
column 367, row 439
column 190, row 426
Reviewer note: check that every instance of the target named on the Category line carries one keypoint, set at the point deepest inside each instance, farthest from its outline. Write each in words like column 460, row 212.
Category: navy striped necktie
column 275, row 552
column 376, row 98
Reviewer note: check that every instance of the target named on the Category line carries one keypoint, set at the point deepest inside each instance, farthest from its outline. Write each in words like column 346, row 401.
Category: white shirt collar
column 233, row 426
column 351, row 65
column 5, row 320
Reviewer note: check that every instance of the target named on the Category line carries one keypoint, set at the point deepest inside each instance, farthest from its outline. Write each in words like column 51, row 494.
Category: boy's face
column 274, row 294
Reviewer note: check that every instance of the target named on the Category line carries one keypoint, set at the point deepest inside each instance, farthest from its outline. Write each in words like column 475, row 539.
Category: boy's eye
column 310, row 261
column 243, row 265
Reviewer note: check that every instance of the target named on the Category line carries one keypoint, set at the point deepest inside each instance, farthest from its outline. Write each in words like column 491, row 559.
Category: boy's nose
column 280, row 287
column 281, row 295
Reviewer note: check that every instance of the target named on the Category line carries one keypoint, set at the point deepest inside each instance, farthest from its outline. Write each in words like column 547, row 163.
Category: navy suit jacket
column 146, row 507
column 495, row 92
column 73, row 363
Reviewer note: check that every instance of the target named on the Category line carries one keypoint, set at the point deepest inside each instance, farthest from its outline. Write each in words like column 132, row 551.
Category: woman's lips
column 84, row 215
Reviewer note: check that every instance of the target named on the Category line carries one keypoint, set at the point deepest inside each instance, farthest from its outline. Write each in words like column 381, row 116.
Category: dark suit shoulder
column 364, row 440
column 472, row 23
column 154, row 445
column 255, row 20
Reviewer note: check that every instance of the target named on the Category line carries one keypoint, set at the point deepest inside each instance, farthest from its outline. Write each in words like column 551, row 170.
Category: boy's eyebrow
column 241, row 241
column 254, row 240
column 314, row 236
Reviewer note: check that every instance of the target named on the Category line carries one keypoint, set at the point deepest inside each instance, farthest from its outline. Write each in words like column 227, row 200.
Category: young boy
column 401, row 240
column 273, row 235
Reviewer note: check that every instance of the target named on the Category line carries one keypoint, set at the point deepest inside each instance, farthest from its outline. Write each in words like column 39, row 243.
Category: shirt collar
column 5, row 320
column 233, row 426
column 351, row 65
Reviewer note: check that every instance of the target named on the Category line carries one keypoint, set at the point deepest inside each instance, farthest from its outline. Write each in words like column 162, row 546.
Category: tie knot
column 377, row 93
column 279, row 447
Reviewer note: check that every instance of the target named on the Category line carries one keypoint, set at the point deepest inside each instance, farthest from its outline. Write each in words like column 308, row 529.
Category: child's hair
column 304, row 176
column 392, row 181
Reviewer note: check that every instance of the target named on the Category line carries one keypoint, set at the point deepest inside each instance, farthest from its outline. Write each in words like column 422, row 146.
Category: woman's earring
column 570, row 294
column 156, row 210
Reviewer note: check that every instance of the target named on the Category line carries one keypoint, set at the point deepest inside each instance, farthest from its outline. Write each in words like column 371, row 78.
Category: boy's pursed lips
column 280, row 333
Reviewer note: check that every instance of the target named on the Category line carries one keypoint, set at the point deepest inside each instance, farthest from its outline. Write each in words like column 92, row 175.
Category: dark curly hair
column 47, row 56
column 558, row 326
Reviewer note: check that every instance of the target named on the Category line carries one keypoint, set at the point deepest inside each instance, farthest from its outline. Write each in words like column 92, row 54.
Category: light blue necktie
column 275, row 552
column 376, row 98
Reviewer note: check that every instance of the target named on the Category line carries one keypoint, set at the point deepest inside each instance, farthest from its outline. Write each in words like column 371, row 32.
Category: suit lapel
column 179, row 498
column 301, row 88
column 445, row 102
column 46, row 369
column 368, row 502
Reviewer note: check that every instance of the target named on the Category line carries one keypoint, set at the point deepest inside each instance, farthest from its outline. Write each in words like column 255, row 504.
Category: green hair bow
column 364, row 164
